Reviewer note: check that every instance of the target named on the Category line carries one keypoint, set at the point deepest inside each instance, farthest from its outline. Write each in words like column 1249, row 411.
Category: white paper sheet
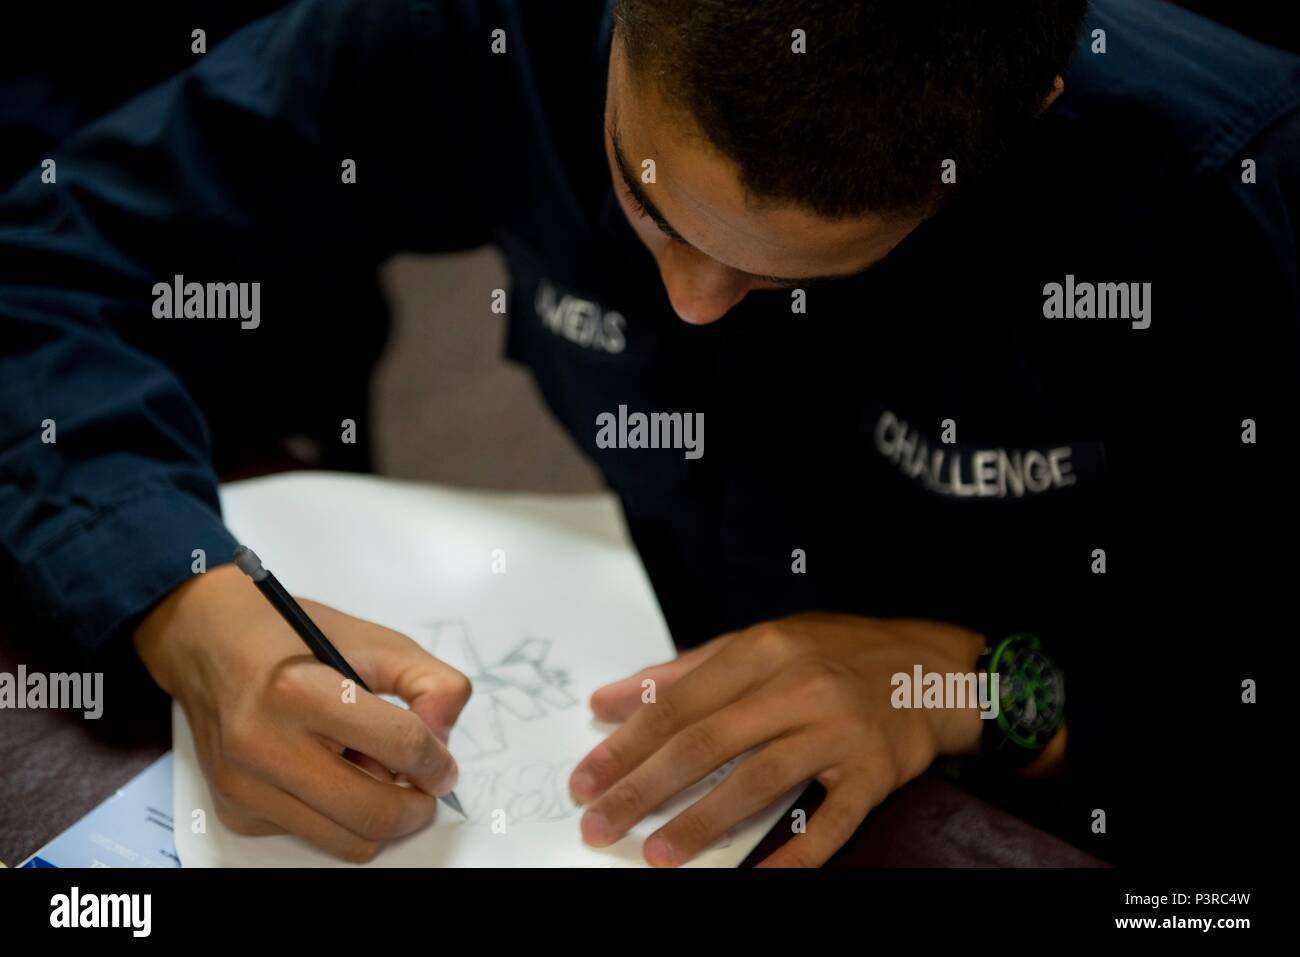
column 572, row 611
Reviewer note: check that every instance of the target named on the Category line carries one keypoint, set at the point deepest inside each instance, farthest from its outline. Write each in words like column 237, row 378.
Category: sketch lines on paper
column 519, row 684
column 528, row 793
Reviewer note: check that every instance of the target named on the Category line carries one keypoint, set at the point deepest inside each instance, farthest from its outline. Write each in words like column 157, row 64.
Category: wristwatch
column 1031, row 705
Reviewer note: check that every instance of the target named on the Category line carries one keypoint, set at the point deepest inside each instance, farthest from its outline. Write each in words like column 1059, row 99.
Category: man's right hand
column 282, row 745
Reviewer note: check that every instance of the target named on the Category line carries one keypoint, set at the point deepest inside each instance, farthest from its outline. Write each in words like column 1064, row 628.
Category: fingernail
column 448, row 780
column 659, row 851
column 583, row 786
column 596, row 830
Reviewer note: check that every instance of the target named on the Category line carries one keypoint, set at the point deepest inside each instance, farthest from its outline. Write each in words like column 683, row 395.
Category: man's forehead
column 697, row 198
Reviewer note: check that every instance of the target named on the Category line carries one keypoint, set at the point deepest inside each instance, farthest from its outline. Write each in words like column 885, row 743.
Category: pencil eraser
column 248, row 562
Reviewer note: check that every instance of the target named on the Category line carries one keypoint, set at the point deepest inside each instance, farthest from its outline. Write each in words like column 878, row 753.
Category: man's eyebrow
column 643, row 200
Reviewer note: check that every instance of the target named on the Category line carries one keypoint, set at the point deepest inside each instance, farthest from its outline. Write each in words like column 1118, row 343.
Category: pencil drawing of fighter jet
column 519, row 683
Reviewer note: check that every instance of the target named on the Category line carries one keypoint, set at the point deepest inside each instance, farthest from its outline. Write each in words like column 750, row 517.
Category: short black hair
column 885, row 92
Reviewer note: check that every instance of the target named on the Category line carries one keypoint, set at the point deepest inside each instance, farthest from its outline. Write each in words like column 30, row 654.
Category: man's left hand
column 810, row 695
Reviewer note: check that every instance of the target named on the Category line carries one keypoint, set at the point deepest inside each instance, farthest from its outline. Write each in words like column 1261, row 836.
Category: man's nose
column 700, row 289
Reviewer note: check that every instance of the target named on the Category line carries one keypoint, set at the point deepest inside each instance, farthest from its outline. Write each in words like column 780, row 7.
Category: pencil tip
column 452, row 802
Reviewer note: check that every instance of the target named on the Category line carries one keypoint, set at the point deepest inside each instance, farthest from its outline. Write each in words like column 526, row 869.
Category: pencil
column 248, row 562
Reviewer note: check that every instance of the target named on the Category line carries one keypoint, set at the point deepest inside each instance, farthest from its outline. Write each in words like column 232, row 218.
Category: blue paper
column 133, row 828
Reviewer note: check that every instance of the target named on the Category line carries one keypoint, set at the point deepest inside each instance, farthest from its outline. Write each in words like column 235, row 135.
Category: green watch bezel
column 999, row 664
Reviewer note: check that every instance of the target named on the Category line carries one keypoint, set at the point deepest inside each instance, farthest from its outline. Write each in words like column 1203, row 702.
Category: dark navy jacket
column 823, row 429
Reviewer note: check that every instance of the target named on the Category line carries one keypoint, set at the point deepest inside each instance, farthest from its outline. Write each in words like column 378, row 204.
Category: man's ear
column 1058, row 87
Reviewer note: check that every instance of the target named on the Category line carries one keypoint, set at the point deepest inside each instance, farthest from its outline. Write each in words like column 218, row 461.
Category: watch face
column 1031, row 690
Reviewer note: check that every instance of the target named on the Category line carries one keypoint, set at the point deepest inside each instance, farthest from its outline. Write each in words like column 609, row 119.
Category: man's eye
column 637, row 207
column 639, row 210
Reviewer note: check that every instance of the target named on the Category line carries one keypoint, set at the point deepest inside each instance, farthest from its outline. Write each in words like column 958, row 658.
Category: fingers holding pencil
column 437, row 697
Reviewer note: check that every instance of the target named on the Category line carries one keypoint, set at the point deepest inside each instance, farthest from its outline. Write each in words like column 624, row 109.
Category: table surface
column 55, row 767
